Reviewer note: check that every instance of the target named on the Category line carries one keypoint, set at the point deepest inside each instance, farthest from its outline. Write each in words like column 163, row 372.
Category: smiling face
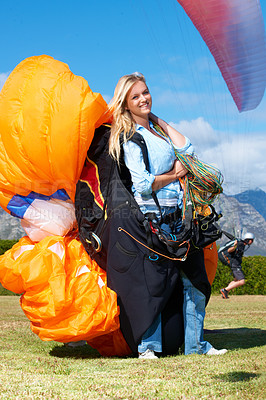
column 139, row 101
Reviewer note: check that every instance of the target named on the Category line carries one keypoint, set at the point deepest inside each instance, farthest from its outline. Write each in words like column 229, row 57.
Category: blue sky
column 104, row 40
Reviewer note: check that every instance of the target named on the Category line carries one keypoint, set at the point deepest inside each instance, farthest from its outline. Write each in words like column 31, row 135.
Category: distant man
column 231, row 254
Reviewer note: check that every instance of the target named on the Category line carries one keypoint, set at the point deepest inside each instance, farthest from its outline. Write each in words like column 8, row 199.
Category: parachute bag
column 111, row 230
column 91, row 196
column 205, row 229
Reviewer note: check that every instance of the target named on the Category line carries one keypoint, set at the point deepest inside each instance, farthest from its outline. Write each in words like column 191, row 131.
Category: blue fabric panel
column 18, row 205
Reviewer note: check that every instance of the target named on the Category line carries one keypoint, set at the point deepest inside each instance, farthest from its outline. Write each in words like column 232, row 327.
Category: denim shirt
column 161, row 159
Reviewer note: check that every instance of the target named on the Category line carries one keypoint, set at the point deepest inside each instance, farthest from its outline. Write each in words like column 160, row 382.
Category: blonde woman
column 131, row 108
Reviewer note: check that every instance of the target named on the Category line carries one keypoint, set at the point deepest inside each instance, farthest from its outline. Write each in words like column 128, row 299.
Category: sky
column 103, row 40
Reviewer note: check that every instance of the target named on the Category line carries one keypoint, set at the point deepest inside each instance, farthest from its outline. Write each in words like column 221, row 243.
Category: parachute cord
column 202, row 183
column 154, row 251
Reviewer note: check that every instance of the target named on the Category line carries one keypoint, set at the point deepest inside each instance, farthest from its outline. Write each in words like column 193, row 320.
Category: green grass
column 32, row 369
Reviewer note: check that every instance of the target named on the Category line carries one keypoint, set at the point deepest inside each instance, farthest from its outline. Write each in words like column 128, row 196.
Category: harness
column 197, row 231
column 104, row 190
column 138, row 139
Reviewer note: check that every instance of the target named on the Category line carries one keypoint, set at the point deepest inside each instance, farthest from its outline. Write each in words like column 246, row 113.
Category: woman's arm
column 176, row 172
column 144, row 182
column 176, row 137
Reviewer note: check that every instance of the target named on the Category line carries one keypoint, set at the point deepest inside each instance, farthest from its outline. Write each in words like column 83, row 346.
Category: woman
column 131, row 107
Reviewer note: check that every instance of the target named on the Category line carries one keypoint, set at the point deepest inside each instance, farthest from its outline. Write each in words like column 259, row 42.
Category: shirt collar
column 140, row 127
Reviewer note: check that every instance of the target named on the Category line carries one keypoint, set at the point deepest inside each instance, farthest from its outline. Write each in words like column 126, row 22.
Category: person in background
column 232, row 256
column 131, row 107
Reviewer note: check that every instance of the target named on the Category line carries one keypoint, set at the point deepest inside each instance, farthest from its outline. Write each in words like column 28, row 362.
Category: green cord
column 202, row 183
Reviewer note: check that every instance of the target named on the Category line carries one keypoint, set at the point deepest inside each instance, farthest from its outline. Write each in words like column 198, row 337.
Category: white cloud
column 3, row 78
column 241, row 158
column 242, row 161
column 199, row 131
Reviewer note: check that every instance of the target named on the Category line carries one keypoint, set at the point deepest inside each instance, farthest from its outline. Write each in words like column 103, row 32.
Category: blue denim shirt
column 161, row 159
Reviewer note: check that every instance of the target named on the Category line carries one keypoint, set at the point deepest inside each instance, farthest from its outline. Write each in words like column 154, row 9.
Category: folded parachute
column 234, row 33
column 47, row 120
column 65, row 294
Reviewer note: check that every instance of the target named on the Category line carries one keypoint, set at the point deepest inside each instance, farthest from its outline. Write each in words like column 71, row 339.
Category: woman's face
column 139, row 101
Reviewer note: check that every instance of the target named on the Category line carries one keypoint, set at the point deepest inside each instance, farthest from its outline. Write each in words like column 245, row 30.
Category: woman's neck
column 143, row 122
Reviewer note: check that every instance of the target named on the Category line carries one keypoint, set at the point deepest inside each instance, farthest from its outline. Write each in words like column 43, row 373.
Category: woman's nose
column 143, row 97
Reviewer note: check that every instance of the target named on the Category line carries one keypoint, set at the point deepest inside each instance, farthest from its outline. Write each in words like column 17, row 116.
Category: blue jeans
column 194, row 314
column 152, row 338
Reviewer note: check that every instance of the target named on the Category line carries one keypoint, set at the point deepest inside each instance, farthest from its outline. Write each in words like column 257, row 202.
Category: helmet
column 248, row 236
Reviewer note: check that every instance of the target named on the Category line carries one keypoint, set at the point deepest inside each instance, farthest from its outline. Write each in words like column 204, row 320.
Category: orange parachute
column 65, row 295
column 47, row 120
column 48, row 116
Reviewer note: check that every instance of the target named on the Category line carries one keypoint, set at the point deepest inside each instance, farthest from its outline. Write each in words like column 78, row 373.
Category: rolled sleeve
column 142, row 179
column 186, row 149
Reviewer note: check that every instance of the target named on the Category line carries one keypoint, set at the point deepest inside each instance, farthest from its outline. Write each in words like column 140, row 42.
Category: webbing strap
column 120, row 229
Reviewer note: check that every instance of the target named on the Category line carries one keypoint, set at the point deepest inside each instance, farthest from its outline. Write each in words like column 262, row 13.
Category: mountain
column 10, row 227
column 256, row 198
column 244, row 212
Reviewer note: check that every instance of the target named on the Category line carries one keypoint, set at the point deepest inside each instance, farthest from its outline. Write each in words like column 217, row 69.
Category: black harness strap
column 138, row 139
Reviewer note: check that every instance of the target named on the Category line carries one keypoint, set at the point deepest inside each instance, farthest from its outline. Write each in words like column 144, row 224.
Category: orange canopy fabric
column 64, row 292
column 210, row 261
column 47, row 120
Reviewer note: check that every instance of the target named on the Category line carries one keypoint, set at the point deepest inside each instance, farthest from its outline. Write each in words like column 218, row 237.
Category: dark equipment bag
column 141, row 266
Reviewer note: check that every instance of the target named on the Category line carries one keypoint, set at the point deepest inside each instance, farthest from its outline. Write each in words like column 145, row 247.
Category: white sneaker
column 148, row 355
column 215, row 352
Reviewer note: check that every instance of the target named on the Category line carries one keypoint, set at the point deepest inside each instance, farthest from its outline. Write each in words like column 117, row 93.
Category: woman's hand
column 178, row 171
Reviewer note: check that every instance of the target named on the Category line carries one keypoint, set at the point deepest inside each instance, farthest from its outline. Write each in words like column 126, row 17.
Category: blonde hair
column 122, row 118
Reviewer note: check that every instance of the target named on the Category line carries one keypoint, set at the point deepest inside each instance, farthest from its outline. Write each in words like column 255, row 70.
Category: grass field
column 32, row 369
